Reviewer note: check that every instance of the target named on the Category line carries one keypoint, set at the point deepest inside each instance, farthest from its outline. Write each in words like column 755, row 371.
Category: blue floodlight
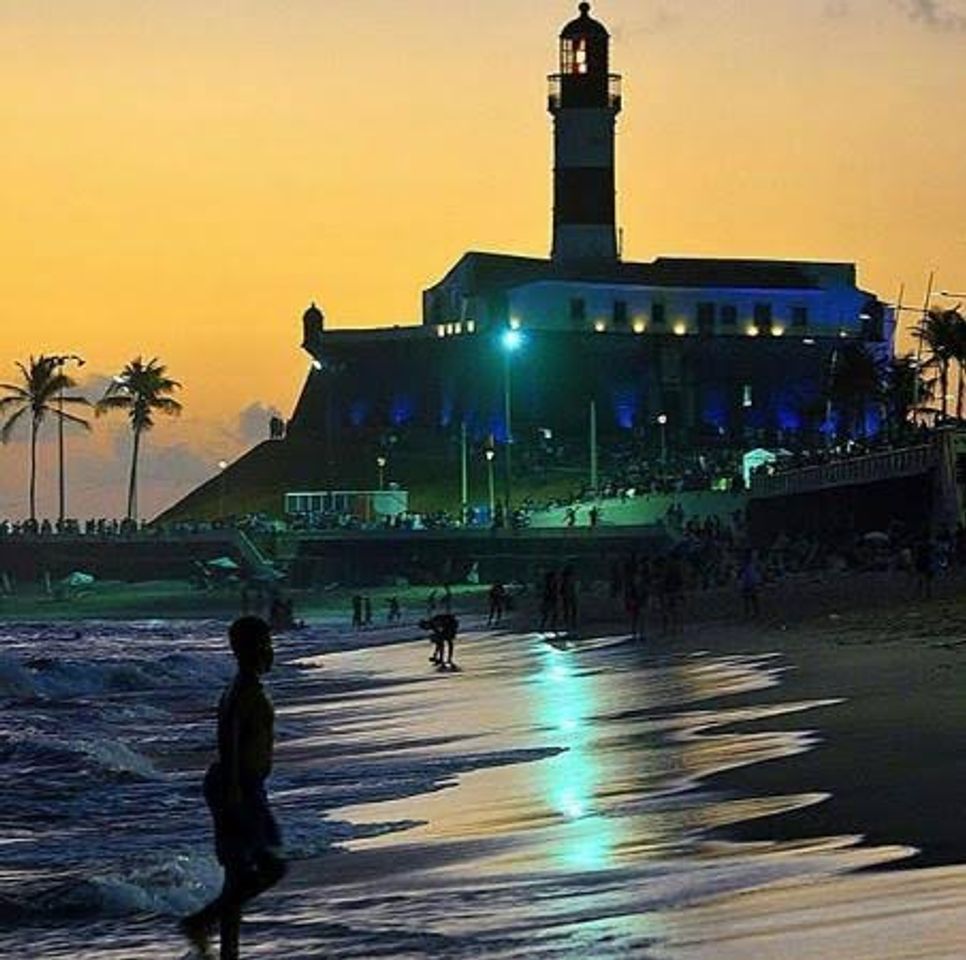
column 512, row 340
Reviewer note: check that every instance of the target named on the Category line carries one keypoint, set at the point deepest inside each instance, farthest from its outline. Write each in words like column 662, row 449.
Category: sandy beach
column 774, row 789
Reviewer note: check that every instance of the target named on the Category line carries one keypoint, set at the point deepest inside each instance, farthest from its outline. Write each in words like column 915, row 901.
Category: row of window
column 707, row 315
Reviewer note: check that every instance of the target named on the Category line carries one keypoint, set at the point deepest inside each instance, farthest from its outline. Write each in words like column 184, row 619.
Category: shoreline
column 885, row 755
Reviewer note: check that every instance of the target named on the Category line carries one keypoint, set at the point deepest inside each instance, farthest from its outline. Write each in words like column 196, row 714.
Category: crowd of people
column 789, row 460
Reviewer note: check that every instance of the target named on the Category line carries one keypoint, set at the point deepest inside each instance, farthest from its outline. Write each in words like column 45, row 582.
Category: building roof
column 482, row 273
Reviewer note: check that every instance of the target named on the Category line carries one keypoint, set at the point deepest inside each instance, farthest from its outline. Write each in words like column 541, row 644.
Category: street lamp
column 662, row 423
column 511, row 341
column 58, row 362
column 490, row 454
column 381, row 464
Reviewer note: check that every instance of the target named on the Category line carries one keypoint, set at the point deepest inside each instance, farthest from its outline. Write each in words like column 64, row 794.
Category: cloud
column 252, row 424
column 941, row 15
column 658, row 20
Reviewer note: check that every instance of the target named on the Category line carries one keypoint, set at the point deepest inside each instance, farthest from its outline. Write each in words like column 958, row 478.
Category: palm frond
column 7, row 429
column 70, row 418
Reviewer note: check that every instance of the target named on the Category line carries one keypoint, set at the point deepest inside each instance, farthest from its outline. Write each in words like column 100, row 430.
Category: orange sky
column 181, row 178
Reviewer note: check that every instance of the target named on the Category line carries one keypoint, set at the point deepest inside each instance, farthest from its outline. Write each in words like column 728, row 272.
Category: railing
column 873, row 467
column 615, row 99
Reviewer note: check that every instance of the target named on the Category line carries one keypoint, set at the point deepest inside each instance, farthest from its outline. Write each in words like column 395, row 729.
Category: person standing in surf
column 247, row 839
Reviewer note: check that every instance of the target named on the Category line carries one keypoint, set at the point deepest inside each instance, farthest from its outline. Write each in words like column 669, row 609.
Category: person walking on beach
column 395, row 614
column 925, row 564
column 247, row 839
column 357, row 612
column 497, row 604
column 443, row 627
column 366, row 612
column 636, row 596
column 672, row 591
column 750, row 580
column 550, row 601
column 568, row 596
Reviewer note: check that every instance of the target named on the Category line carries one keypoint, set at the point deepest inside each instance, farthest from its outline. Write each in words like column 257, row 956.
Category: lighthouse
column 584, row 100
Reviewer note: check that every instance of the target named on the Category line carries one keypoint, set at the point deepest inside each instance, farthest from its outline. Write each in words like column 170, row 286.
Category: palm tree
column 140, row 390
column 856, row 379
column 40, row 393
column 943, row 334
column 906, row 392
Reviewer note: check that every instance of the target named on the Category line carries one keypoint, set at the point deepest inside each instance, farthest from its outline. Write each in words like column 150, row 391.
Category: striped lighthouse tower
column 584, row 100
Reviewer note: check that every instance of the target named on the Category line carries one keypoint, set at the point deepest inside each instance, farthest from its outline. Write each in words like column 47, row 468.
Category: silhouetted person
column 497, row 604
column 673, row 594
column 366, row 612
column 568, row 596
column 247, row 838
column 750, row 579
column 443, row 627
column 394, row 614
column 550, row 601
column 357, row 612
column 925, row 563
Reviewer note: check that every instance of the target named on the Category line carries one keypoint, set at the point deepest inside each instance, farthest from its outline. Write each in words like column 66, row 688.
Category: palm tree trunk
column 132, row 489
column 33, row 471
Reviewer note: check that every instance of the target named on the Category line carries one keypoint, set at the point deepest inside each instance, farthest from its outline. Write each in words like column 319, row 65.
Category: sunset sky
column 180, row 178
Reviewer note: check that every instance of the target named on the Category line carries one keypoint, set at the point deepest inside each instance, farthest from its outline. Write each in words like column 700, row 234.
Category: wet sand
column 850, row 763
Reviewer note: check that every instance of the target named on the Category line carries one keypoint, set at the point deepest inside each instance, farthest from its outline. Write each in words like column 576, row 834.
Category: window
column 573, row 55
column 657, row 314
column 706, row 312
column 729, row 315
column 620, row 314
column 763, row 317
column 799, row 316
column 578, row 312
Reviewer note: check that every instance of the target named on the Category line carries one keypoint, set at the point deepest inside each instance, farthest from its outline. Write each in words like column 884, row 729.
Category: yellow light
column 752, row 331
column 600, row 326
column 777, row 331
column 440, row 331
column 458, row 327
column 639, row 326
column 514, row 323
column 471, row 326
column 680, row 329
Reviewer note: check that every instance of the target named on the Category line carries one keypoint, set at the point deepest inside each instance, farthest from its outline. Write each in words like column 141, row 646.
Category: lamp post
column 223, row 467
column 490, row 454
column 381, row 464
column 662, row 423
column 511, row 341
column 464, row 475
column 592, row 439
column 59, row 361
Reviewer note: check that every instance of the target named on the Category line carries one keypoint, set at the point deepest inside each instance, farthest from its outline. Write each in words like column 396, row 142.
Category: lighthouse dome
column 584, row 26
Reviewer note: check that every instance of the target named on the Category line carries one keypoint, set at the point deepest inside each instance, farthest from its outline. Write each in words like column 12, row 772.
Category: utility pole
column 593, row 447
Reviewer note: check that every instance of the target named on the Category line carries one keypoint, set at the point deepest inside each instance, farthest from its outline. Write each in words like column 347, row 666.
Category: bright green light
column 512, row 340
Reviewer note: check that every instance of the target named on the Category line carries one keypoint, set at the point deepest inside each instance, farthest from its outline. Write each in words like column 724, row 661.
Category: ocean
column 547, row 800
